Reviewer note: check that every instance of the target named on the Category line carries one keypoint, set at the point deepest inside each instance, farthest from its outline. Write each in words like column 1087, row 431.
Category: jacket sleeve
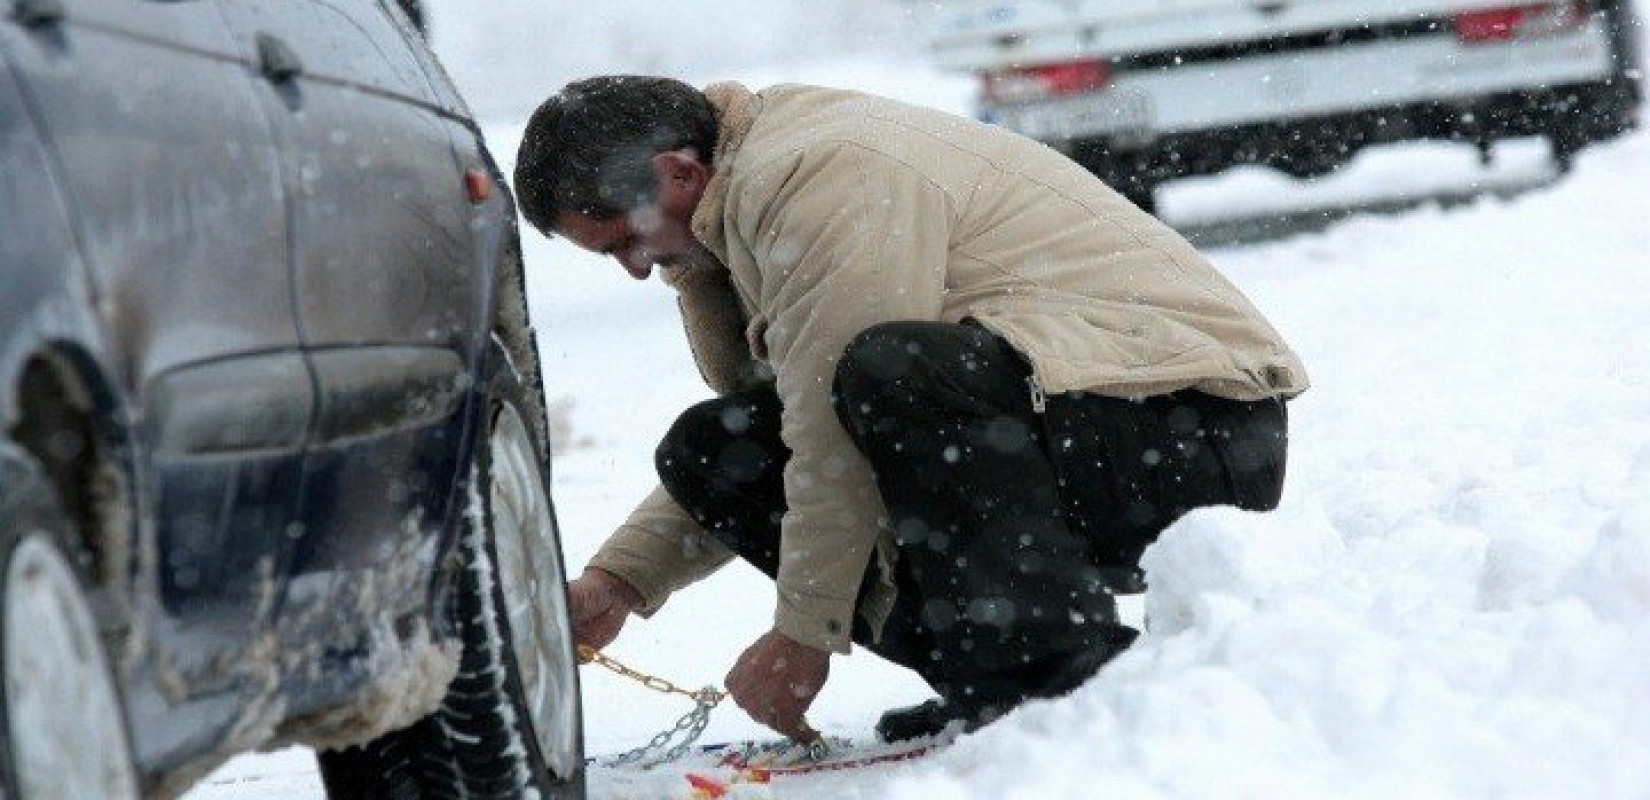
column 845, row 238
column 660, row 549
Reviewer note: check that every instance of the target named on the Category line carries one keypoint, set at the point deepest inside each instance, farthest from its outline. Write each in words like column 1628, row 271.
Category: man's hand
column 776, row 679
column 599, row 602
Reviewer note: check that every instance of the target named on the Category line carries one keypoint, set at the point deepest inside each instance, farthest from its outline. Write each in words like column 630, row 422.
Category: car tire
column 56, row 680
column 510, row 725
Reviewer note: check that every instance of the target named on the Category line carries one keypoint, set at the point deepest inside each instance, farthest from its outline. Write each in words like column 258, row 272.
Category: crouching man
column 961, row 383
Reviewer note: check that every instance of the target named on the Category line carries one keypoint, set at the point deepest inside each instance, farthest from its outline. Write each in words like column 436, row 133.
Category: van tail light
column 1044, row 81
column 1519, row 22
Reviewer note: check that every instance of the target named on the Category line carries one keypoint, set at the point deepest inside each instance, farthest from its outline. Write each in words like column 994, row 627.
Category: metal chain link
column 690, row 726
column 709, row 694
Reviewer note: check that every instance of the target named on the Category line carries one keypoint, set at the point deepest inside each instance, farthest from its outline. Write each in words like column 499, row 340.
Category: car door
column 39, row 262
column 166, row 158
column 389, row 299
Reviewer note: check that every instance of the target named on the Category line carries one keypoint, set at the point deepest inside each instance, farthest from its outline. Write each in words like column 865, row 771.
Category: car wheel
column 510, row 726
column 515, row 704
column 63, row 732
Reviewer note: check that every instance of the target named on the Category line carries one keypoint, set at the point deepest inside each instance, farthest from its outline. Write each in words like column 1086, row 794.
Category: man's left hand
column 776, row 679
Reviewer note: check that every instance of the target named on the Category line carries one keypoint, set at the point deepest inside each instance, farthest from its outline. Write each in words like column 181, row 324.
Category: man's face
column 638, row 240
column 658, row 233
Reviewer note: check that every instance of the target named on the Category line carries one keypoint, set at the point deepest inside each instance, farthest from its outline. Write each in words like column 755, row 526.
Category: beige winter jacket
column 834, row 211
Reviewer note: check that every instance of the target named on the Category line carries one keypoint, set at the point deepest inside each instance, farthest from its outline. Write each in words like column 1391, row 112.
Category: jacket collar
column 736, row 110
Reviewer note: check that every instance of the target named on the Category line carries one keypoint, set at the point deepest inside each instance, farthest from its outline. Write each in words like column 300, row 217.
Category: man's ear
column 680, row 172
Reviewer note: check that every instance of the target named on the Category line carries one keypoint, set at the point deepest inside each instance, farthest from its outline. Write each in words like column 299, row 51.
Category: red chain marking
column 706, row 787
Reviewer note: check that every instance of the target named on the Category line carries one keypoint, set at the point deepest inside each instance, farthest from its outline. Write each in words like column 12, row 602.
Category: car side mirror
column 35, row 13
column 414, row 10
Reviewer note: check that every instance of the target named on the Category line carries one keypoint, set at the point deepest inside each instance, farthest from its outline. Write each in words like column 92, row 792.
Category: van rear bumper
column 1143, row 106
column 1570, row 115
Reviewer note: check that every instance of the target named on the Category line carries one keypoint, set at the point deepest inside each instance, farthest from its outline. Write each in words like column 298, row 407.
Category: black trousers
column 1014, row 528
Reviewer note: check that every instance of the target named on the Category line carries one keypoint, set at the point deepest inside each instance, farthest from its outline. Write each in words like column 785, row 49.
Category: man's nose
column 637, row 261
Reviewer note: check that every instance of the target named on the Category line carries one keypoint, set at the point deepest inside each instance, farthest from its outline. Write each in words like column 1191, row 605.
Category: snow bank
column 1454, row 599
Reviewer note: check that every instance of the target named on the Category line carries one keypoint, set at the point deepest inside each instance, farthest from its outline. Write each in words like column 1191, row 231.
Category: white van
column 1141, row 91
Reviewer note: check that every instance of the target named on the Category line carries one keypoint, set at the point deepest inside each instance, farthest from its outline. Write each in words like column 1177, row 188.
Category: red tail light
column 1517, row 22
column 1047, row 80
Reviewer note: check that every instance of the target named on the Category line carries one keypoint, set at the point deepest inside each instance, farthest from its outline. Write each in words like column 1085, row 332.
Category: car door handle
column 278, row 62
column 36, row 13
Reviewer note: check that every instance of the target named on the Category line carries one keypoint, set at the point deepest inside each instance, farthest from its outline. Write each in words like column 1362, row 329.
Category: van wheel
column 510, row 726
column 63, row 732
column 1565, row 146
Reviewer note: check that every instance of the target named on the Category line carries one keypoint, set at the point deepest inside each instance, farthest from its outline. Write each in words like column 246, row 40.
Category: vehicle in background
column 1143, row 91
column 273, row 448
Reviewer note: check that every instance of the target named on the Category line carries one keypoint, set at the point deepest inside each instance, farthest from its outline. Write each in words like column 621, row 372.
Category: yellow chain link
column 707, row 696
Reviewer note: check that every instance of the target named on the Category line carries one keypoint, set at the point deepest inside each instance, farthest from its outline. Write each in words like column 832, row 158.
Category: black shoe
column 1063, row 674
column 923, row 719
column 1054, row 677
column 933, row 717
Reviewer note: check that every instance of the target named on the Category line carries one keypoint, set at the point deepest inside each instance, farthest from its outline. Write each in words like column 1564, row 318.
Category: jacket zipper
column 1039, row 401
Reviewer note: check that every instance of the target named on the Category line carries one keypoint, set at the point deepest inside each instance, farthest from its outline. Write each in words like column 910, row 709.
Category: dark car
column 273, row 449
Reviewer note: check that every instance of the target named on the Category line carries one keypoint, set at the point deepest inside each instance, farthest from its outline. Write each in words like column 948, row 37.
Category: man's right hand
column 599, row 602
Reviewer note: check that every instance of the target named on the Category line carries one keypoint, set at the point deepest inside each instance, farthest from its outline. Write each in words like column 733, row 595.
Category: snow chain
column 660, row 750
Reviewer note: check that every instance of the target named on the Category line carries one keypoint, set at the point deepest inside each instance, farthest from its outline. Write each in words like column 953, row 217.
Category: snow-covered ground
column 1452, row 602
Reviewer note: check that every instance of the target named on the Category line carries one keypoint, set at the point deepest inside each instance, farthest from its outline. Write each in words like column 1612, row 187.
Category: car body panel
column 445, row 92
column 381, row 223
column 186, row 242
column 127, row 88
column 45, row 286
column 281, row 287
